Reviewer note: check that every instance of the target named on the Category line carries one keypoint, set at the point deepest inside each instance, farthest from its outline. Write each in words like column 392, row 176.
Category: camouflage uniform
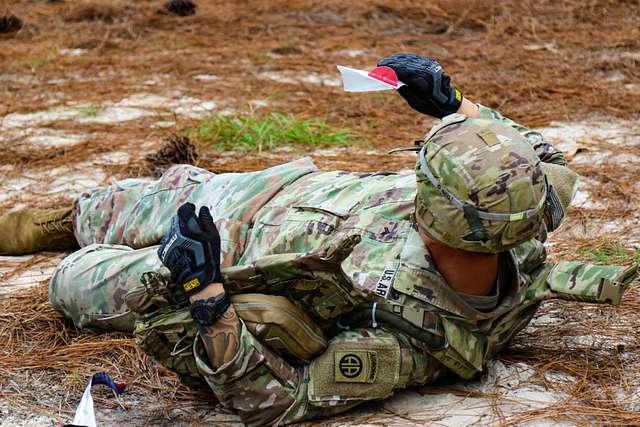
column 330, row 242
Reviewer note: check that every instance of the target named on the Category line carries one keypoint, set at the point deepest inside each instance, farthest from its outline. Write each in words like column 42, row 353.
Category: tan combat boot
column 33, row 230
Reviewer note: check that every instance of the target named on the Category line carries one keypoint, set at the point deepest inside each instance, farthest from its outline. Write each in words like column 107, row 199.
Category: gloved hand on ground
column 428, row 89
column 191, row 250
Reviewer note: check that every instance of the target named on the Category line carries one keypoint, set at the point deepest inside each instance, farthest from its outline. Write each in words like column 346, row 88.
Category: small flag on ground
column 85, row 414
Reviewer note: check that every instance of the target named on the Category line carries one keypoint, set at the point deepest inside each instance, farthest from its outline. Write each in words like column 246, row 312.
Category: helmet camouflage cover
column 480, row 186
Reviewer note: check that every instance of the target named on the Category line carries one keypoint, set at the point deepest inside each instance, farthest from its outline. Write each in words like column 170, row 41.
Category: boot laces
column 60, row 225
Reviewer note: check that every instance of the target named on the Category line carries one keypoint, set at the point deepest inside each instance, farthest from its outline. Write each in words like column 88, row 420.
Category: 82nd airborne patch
column 355, row 366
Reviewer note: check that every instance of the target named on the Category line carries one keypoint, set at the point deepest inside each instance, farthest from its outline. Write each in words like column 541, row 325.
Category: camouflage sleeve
column 358, row 366
column 258, row 384
column 546, row 152
column 578, row 281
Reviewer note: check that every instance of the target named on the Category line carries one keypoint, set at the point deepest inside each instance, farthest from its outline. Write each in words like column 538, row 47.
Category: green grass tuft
column 614, row 253
column 247, row 132
column 35, row 63
column 89, row 110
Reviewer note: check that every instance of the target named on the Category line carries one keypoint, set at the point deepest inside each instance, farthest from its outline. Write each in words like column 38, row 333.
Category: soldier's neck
column 468, row 272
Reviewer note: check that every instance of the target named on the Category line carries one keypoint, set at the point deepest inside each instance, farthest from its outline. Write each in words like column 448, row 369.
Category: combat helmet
column 480, row 187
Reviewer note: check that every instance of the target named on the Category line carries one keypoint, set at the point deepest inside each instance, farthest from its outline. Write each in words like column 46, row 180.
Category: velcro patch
column 356, row 366
column 489, row 137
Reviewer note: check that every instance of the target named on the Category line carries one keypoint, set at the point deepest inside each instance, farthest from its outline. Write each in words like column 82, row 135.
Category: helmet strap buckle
column 477, row 231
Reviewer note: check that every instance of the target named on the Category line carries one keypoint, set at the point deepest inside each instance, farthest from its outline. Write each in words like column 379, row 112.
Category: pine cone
column 180, row 7
column 10, row 24
column 178, row 150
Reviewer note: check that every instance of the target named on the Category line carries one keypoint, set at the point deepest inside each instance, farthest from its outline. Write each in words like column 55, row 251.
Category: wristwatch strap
column 207, row 312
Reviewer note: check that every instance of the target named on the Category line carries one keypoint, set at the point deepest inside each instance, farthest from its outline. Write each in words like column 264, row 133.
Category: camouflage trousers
column 119, row 227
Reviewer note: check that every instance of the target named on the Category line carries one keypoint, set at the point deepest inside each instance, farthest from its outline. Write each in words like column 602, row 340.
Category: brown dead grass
column 83, row 11
column 596, row 347
column 536, row 61
column 36, row 338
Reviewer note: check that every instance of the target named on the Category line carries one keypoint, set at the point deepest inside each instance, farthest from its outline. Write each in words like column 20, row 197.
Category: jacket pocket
column 282, row 326
column 297, row 229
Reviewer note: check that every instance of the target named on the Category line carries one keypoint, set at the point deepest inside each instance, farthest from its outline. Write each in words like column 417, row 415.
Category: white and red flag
column 380, row 78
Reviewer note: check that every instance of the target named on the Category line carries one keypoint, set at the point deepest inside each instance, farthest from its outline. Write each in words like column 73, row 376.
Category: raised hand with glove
column 428, row 88
column 191, row 251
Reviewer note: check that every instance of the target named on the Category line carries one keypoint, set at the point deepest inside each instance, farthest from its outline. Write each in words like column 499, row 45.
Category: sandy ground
column 86, row 96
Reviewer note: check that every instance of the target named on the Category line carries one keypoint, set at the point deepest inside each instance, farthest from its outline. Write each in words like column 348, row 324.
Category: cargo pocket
column 280, row 325
column 292, row 229
column 357, row 366
column 117, row 322
column 167, row 336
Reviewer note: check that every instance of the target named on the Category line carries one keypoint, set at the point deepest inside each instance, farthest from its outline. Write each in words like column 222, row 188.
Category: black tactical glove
column 191, row 250
column 428, row 89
